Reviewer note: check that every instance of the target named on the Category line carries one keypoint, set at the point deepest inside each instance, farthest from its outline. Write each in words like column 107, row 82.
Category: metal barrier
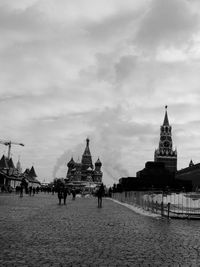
column 173, row 205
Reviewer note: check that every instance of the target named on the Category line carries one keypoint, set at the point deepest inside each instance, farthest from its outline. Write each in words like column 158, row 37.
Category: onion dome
column 98, row 163
column 71, row 163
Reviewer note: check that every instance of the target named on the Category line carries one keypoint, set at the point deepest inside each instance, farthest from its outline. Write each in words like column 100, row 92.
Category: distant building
column 128, row 184
column 190, row 173
column 30, row 176
column 155, row 175
column 11, row 176
column 165, row 152
column 162, row 172
column 84, row 171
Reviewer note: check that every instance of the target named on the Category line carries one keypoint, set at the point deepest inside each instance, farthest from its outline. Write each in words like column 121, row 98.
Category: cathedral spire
column 87, row 149
column 86, row 157
column 166, row 121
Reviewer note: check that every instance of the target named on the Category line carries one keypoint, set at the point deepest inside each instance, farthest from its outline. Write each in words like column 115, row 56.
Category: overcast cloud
column 102, row 69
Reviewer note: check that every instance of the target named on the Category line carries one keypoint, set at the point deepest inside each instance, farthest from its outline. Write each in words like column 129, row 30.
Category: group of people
column 28, row 190
column 62, row 194
column 63, row 191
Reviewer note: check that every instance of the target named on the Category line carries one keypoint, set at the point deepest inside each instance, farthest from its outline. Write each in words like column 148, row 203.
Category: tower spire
column 87, row 141
column 87, row 149
column 165, row 152
column 86, row 157
column 166, row 121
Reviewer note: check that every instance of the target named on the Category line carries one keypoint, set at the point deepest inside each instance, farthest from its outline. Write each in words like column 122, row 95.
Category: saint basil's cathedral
column 84, row 171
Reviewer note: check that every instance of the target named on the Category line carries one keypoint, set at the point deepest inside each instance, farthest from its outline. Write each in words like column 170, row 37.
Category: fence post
column 168, row 209
column 162, row 209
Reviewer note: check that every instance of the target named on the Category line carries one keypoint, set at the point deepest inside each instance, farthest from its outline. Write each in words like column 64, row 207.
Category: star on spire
column 166, row 121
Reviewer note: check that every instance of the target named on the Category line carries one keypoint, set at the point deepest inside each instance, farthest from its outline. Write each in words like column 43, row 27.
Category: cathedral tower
column 86, row 157
column 97, row 172
column 165, row 152
column 85, row 171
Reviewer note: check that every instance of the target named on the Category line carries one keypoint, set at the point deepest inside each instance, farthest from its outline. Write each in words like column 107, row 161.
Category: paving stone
column 38, row 232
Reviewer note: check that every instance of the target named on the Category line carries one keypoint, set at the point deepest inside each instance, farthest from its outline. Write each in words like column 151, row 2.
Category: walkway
column 36, row 231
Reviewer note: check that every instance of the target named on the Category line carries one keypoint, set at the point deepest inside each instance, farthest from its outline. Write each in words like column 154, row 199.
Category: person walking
column 60, row 194
column 33, row 191
column 21, row 190
column 73, row 194
column 65, row 192
column 30, row 190
column 100, row 194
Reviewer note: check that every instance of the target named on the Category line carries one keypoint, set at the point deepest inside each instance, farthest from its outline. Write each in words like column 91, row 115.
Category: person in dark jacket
column 62, row 194
column 65, row 192
column 73, row 194
column 100, row 194
column 21, row 190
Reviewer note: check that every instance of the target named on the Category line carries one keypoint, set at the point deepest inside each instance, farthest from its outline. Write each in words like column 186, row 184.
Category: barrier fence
column 173, row 205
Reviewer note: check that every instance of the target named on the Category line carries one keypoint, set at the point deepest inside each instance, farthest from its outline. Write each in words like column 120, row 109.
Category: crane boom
column 9, row 143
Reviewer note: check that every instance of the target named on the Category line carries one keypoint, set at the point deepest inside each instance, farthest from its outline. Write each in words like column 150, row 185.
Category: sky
column 99, row 69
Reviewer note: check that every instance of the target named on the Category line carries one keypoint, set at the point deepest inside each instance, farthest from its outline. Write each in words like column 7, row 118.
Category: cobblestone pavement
column 36, row 231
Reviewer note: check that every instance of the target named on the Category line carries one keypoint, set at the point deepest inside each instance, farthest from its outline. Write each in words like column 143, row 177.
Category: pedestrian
column 33, row 191
column 110, row 192
column 30, row 190
column 60, row 194
column 73, row 194
column 100, row 194
column 21, row 190
column 65, row 192
column 53, row 190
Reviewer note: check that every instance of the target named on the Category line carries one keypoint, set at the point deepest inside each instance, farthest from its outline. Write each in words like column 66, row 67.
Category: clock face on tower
column 166, row 144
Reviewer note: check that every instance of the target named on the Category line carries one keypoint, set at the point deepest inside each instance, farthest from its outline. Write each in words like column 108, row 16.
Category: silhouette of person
column 33, row 191
column 73, row 194
column 30, row 190
column 60, row 194
column 100, row 194
column 65, row 192
column 21, row 190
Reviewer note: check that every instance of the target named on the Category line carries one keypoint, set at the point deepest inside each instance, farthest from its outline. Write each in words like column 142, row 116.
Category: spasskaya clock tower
column 165, row 152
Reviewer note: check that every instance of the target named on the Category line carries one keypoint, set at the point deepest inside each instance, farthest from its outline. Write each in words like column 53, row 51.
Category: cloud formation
column 103, row 69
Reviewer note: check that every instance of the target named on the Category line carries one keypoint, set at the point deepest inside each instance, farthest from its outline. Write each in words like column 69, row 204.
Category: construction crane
column 9, row 143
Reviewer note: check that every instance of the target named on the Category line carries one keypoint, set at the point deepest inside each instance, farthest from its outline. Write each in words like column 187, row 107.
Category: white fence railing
column 167, row 204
